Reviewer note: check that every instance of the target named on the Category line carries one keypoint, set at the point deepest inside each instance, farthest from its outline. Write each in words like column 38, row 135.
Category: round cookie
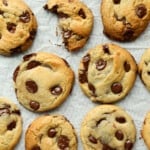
column 144, row 68
column 11, row 124
column 17, row 26
column 125, row 20
column 75, row 21
column 108, row 127
column 42, row 81
column 107, row 73
column 53, row 132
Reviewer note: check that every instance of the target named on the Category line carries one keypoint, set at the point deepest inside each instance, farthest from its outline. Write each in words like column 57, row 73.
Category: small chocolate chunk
column 16, row 112
column 92, row 139
column 81, row 13
column 54, row 9
column 11, row 27
column 127, row 66
column 62, row 15
column 121, row 119
column 45, row 7
column 36, row 147
column 91, row 87
column 106, row 49
column 63, row 142
column 101, row 64
column 128, row 145
column 11, row 126
column 141, row 10
column 116, row 1
column 31, row 86
column 116, row 88
column 83, row 77
column 128, row 34
column 107, row 147
column 32, row 64
column 15, row 74
column 119, row 135
column 25, row 17
column 27, row 57
column 52, row 132
column 56, row 90
column 34, row 105
column 1, row 12
column 86, row 60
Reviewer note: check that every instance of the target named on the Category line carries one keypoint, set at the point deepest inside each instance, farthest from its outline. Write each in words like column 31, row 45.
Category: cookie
column 75, row 21
column 144, row 68
column 146, row 129
column 108, row 127
column 42, row 81
column 128, row 19
column 18, row 26
column 11, row 124
column 107, row 73
column 53, row 132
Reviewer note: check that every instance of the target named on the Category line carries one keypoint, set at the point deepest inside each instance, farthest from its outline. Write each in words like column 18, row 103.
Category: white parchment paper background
column 137, row 103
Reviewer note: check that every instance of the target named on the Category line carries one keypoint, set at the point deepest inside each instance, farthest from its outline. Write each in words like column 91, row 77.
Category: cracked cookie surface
column 128, row 19
column 75, row 21
column 53, row 132
column 107, row 73
column 108, row 127
column 43, row 81
column 17, row 27
column 11, row 124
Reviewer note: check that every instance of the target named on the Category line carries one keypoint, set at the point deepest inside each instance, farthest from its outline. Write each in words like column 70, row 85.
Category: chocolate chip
column 54, row 9
column 5, row 2
column 101, row 64
column 91, row 87
column 106, row 49
column 25, row 17
column 99, row 122
column 36, row 147
column 32, row 34
column 27, row 57
column 148, row 72
column 15, row 74
column 32, row 64
column 63, row 142
column 16, row 50
column 31, row 86
column 140, row 10
column 119, row 135
column 128, row 34
column 83, row 77
column 127, row 66
column 67, row 34
column 56, row 90
column 62, row 15
column 4, row 111
column 81, row 13
column 107, row 147
column 52, row 132
column 16, row 112
column 34, row 105
column 86, row 60
column 1, row 12
column 116, row 87
column 128, row 145
column 45, row 7
column 11, row 126
column 92, row 139
column 11, row 27
column 121, row 119
column 116, row 1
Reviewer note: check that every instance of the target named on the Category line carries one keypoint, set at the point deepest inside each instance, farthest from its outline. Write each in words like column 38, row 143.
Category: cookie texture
column 17, row 26
column 11, row 124
column 75, row 21
column 107, row 73
column 144, row 68
column 42, row 81
column 128, row 19
column 108, row 127
column 53, row 132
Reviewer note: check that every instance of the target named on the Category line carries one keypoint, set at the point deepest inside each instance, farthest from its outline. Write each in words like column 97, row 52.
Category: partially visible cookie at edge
column 107, row 73
column 11, row 124
column 125, row 20
column 51, row 132
column 75, row 21
column 18, row 27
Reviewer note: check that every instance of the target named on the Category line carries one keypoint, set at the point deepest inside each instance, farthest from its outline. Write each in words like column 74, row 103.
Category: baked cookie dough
column 10, row 124
column 51, row 132
column 43, row 81
column 125, row 20
column 75, row 21
column 18, row 26
column 107, row 73
column 108, row 127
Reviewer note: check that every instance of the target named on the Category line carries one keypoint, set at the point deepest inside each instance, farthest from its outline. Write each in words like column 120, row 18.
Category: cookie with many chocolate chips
column 18, row 27
column 128, row 19
column 11, row 124
column 42, row 81
column 107, row 73
column 75, row 21
column 108, row 127
column 53, row 132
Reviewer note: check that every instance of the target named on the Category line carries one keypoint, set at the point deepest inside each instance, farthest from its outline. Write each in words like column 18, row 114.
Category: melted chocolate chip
column 36, row 147
column 11, row 126
column 16, row 50
column 34, row 105
column 140, row 10
column 128, row 34
column 119, row 135
column 5, row 2
column 99, row 122
column 116, row 88
column 4, row 110
column 127, row 66
column 92, row 139
column 86, row 60
column 27, row 57
column 16, row 112
column 81, row 13
column 25, row 17
column 107, row 147
column 101, row 64
column 32, row 64
column 45, row 7
column 15, row 74
column 62, row 15
column 128, row 145
column 52, row 132
column 11, row 27
column 54, row 9
column 31, row 86
column 1, row 12
column 91, row 87
column 63, row 142
column 67, row 34
column 56, row 90
column 148, row 72
column 121, row 119
column 106, row 49
column 83, row 77
column 116, row 1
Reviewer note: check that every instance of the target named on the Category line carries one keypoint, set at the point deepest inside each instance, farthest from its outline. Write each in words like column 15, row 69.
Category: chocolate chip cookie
column 75, row 21
column 125, row 20
column 108, row 127
column 42, row 81
column 53, row 132
column 107, row 73
column 18, row 26
column 11, row 124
